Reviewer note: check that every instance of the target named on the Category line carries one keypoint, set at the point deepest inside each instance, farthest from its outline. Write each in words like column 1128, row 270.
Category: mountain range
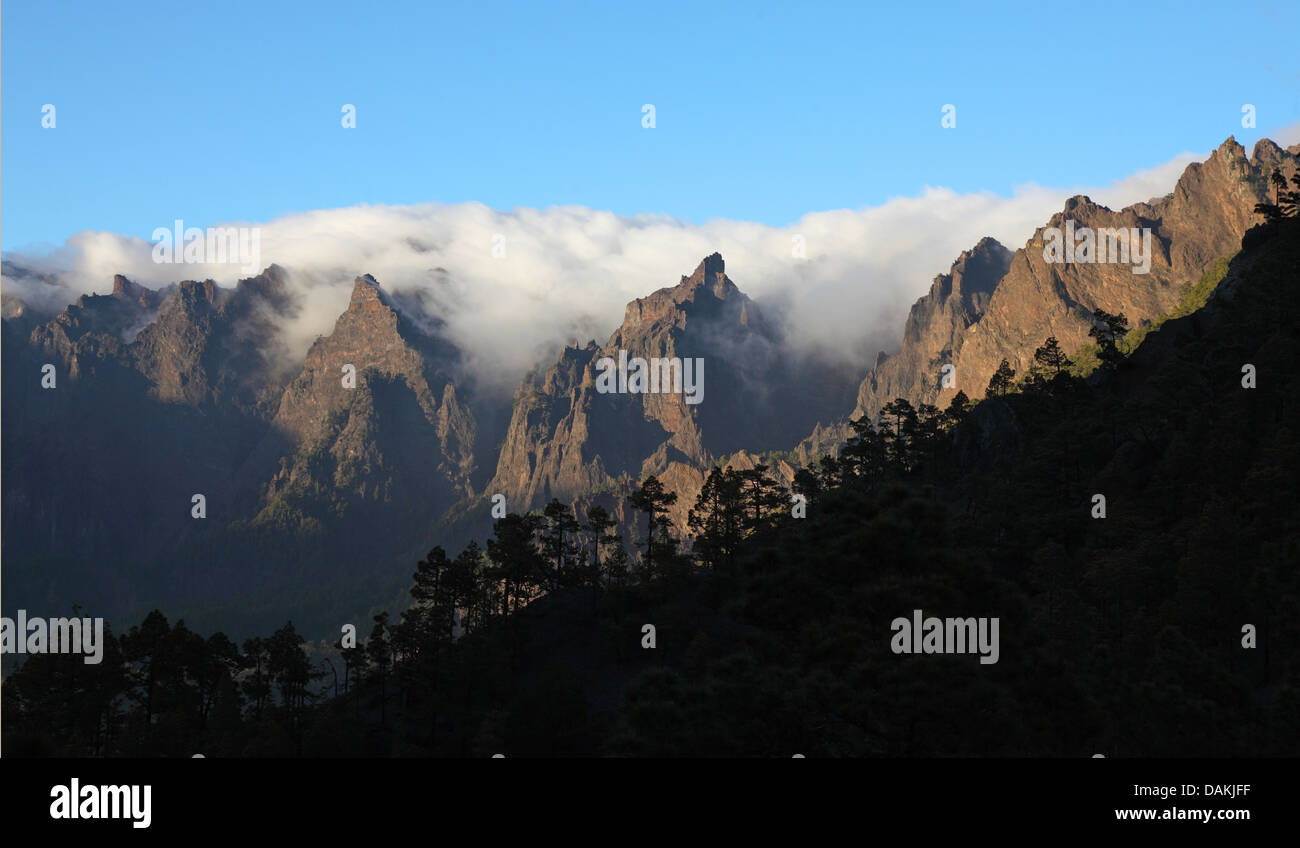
column 323, row 479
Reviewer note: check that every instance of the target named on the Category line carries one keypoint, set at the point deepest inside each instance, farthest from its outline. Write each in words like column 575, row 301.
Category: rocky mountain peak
column 710, row 276
column 711, row 269
column 1268, row 156
column 1079, row 203
column 567, row 435
column 976, row 271
column 367, row 296
column 1266, row 148
column 192, row 298
column 132, row 292
column 707, row 292
column 95, row 325
column 1230, row 148
column 374, row 416
column 370, row 336
column 272, row 284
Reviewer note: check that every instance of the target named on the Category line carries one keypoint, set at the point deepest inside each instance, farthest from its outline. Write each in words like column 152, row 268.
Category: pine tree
column 715, row 520
column 256, row 686
column 288, row 667
column 1002, row 380
column 809, row 484
column 429, row 619
column 652, row 499
column 1109, row 330
column 600, row 525
column 516, row 563
column 379, row 657
column 834, row 471
column 905, row 420
column 958, row 408
column 146, row 649
column 865, row 457
column 1279, row 185
column 1290, row 200
column 900, row 411
column 355, row 668
column 1050, row 358
column 465, row 587
column 559, row 545
column 763, row 498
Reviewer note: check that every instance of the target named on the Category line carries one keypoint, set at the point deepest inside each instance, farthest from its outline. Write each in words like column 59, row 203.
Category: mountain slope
column 1201, row 221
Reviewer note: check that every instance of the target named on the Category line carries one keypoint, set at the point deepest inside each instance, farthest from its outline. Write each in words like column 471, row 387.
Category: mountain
column 323, row 482
column 157, row 395
column 164, row 395
column 1146, row 630
column 567, row 438
column 393, row 430
column 994, row 304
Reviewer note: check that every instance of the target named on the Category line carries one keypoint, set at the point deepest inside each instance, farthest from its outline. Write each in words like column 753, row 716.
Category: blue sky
column 231, row 112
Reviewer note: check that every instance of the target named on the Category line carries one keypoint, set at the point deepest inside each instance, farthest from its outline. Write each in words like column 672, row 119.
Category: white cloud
column 567, row 272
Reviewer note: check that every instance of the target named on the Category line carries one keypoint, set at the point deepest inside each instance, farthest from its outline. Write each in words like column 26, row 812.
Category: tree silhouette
column 1273, row 213
column 1290, row 200
column 1001, row 381
column 717, row 516
column 560, row 545
column 1048, row 371
column 652, row 499
column 1051, row 358
column 290, row 669
column 466, row 588
column 833, row 470
column 1285, row 203
column 516, row 563
column 379, row 656
column 146, row 650
column 865, row 456
column 1109, row 330
column 901, row 412
column 355, row 665
column 958, row 408
column 763, row 498
column 808, row 482
column 600, row 526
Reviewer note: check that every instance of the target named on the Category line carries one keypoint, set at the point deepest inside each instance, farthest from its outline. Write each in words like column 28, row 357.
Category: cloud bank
column 513, row 286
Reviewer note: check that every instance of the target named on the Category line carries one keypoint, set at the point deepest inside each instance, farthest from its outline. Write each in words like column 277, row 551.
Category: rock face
column 162, row 395
column 567, row 438
column 212, row 346
column 157, row 391
column 158, row 395
column 936, row 327
column 374, row 417
column 995, row 304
